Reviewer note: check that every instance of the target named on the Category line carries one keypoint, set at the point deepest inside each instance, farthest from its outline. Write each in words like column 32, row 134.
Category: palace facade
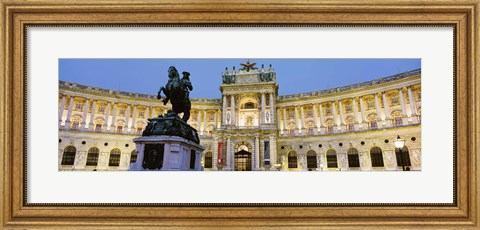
column 252, row 127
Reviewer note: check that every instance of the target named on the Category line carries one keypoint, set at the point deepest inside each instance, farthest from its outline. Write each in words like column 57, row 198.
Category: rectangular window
column 119, row 129
column 114, row 159
column 373, row 125
column 328, row 111
column 351, row 127
column 290, row 114
column 122, row 111
column 292, row 132
column 139, row 130
column 98, row 127
column 394, row 100
column 75, row 125
column 310, row 131
column 79, row 106
column 371, row 105
column 101, row 109
column 141, row 114
column 309, row 113
column 211, row 117
column 348, row 108
column 330, row 129
column 398, row 121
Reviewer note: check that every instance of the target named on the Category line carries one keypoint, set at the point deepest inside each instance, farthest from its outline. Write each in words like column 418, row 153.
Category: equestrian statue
column 177, row 91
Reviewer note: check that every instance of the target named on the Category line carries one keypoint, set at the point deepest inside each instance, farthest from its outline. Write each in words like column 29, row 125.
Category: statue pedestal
column 168, row 144
column 167, row 153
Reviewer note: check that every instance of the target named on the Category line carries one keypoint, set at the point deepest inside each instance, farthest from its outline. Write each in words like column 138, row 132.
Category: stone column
column 134, row 120
column 69, row 113
column 322, row 124
column 379, row 114
column 335, row 118
column 232, row 110
column 216, row 119
column 279, row 125
column 224, row 110
column 85, row 112
column 273, row 152
column 152, row 113
column 315, row 121
column 112, row 124
column 413, row 111
column 271, row 108
column 342, row 118
column 362, row 108
column 404, row 109
column 263, row 109
column 204, row 132
column 199, row 122
column 284, row 120
column 147, row 113
column 60, row 111
column 229, row 155
column 215, row 153
column 127, row 119
column 107, row 117
column 355, row 113
column 296, row 120
column 257, row 152
column 302, row 116
column 385, row 108
column 92, row 115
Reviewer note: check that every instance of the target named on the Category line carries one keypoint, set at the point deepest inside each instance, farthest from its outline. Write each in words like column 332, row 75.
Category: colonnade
column 338, row 113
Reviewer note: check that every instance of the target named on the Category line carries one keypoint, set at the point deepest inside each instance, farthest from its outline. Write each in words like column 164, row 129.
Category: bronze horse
column 177, row 92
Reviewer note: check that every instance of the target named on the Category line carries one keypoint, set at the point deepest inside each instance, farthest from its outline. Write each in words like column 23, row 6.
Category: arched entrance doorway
column 243, row 161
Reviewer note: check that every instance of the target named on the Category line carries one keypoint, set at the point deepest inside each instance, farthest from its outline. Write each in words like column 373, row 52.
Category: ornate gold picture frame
column 18, row 213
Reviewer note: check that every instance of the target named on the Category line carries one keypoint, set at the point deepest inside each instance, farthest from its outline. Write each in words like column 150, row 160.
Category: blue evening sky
column 293, row 75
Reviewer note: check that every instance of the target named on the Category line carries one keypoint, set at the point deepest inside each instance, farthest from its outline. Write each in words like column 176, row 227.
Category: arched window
column 133, row 156
column 406, row 157
column 69, row 155
column 332, row 158
column 92, row 156
column 292, row 160
column 208, row 160
column 376, row 157
column 114, row 157
column 311, row 159
column 353, row 161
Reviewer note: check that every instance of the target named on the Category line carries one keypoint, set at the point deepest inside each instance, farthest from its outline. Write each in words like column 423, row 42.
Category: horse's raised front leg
column 159, row 92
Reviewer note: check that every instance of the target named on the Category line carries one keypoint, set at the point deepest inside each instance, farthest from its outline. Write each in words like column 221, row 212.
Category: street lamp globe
column 399, row 143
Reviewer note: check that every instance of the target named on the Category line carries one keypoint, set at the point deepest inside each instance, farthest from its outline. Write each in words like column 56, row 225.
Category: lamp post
column 399, row 144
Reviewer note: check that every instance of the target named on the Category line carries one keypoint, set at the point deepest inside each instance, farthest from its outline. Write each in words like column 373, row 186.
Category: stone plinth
column 167, row 153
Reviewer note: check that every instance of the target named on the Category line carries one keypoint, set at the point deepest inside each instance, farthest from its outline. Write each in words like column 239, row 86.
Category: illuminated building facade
column 252, row 127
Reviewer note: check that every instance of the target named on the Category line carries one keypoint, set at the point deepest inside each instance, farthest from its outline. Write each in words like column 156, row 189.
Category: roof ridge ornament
column 248, row 66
